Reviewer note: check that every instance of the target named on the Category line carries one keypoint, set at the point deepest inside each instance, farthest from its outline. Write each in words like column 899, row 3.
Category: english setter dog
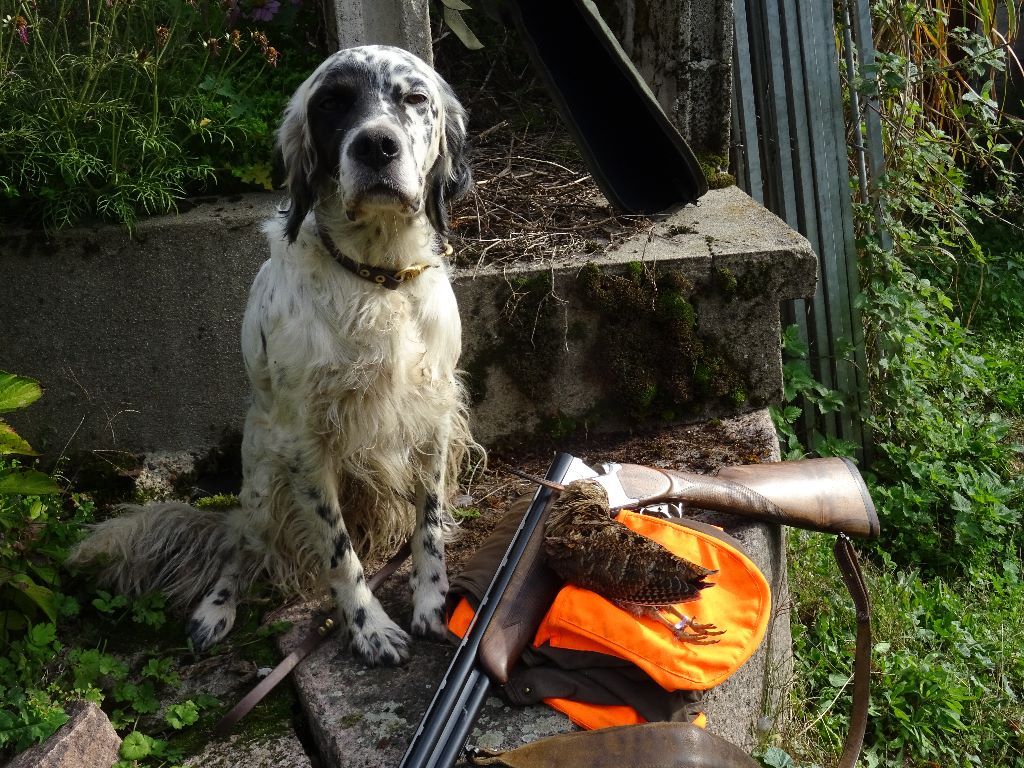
column 351, row 337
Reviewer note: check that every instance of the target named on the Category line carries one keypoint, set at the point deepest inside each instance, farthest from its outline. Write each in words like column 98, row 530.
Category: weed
column 946, row 407
column 111, row 109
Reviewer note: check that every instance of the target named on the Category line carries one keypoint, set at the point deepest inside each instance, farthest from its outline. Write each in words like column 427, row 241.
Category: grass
column 948, row 664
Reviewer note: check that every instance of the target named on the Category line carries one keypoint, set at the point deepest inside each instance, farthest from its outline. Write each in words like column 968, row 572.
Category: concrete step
column 365, row 718
column 136, row 339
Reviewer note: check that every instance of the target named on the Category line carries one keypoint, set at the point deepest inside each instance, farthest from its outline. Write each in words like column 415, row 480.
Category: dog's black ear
column 299, row 157
column 450, row 178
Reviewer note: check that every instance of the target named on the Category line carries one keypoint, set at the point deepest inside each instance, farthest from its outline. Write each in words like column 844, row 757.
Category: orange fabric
column 461, row 618
column 590, row 717
column 739, row 602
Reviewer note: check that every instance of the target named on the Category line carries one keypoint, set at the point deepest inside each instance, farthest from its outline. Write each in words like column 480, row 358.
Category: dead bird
column 587, row 547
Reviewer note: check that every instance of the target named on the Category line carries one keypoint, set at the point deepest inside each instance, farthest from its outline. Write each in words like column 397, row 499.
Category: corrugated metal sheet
column 794, row 143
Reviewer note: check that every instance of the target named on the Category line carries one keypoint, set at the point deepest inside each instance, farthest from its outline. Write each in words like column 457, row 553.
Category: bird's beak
column 617, row 496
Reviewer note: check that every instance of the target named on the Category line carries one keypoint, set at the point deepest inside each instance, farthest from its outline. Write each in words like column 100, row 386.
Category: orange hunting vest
column 582, row 621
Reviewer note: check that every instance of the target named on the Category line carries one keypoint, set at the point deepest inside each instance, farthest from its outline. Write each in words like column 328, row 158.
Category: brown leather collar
column 385, row 278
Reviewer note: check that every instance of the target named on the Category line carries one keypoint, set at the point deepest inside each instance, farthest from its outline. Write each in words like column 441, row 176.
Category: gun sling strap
column 682, row 745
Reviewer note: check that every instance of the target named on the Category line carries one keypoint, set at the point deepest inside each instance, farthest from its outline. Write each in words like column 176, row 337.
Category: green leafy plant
column 19, row 392
column 944, row 348
column 799, row 390
column 112, row 109
column 451, row 15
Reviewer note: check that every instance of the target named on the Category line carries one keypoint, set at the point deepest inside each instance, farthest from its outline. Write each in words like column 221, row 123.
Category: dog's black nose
column 375, row 148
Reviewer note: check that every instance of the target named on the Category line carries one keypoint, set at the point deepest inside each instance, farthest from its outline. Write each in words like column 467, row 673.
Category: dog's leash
column 322, row 630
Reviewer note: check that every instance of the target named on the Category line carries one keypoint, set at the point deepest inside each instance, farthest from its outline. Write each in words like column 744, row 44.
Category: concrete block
column 683, row 49
column 87, row 740
column 365, row 718
column 283, row 751
column 403, row 23
column 136, row 339
column 547, row 352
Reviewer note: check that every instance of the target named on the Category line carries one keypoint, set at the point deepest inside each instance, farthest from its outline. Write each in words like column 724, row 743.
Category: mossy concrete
column 602, row 341
column 136, row 339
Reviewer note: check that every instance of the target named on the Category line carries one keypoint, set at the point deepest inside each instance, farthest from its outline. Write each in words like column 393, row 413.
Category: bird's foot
column 689, row 630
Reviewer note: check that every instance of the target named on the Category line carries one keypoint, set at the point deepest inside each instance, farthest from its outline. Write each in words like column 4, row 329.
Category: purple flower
column 21, row 28
column 263, row 10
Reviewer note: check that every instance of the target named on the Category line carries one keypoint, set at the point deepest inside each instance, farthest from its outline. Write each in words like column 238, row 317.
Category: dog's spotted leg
column 429, row 579
column 375, row 639
column 215, row 614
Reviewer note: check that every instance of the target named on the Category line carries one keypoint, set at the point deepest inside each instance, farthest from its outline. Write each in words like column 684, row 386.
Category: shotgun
column 825, row 495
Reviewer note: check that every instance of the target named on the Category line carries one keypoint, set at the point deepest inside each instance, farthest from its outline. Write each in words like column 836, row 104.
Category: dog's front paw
column 211, row 621
column 376, row 640
column 428, row 615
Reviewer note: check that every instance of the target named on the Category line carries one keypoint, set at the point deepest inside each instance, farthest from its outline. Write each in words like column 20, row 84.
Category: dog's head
column 378, row 129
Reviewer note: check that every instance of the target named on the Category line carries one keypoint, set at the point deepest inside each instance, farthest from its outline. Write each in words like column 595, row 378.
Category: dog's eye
column 413, row 99
column 332, row 103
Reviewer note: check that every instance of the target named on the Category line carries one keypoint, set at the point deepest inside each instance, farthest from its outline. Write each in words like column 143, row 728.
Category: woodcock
column 587, row 547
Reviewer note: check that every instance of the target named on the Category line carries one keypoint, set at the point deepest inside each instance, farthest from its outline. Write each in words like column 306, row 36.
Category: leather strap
column 849, row 569
column 322, row 629
column 682, row 745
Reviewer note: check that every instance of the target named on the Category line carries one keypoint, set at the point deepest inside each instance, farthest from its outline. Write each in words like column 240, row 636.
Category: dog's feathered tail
column 166, row 546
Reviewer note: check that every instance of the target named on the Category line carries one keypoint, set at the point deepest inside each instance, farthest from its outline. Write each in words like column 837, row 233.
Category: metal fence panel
column 792, row 155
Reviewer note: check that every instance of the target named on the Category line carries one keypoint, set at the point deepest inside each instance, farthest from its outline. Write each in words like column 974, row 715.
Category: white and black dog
column 351, row 338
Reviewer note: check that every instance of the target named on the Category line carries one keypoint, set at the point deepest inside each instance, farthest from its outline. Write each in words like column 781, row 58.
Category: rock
column 283, row 751
column 87, row 740
column 163, row 473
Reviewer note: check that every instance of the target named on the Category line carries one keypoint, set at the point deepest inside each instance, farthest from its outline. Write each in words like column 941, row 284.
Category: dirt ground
column 533, row 199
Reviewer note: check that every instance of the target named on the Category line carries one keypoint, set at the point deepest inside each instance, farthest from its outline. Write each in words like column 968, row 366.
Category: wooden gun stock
column 827, row 495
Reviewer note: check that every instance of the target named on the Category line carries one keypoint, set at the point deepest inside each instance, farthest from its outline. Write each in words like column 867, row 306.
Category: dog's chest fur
column 356, row 363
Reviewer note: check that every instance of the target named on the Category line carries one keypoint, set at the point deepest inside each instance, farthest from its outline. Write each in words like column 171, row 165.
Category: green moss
column 721, row 180
column 218, row 501
column 648, row 355
column 466, row 513
column 351, row 720
column 559, row 426
column 652, row 359
column 529, row 338
column 726, row 281
column 673, row 307
column 715, row 168
column 635, row 270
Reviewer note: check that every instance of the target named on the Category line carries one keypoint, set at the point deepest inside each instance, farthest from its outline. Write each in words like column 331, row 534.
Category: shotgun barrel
column 446, row 724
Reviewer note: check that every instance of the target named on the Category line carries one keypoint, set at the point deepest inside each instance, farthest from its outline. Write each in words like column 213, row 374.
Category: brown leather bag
column 651, row 745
